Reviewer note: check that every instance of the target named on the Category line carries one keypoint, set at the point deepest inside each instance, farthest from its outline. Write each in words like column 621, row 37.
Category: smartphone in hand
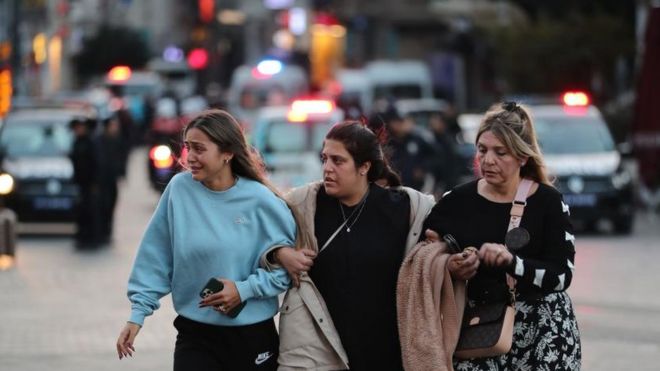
column 213, row 286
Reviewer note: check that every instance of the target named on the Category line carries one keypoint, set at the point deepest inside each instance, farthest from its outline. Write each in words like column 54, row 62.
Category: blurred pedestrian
column 126, row 130
column 445, row 162
column 361, row 232
column 410, row 153
column 110, row 156
column 213, row 221
column 84, row 159
column 540, row 259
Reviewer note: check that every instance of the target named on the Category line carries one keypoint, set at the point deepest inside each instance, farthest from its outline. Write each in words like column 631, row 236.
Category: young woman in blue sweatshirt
column 214, row 221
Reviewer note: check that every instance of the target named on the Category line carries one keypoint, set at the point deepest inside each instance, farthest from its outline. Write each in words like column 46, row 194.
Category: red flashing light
column 119, row 73
column 198, row 59
column 576, row 99
column 206, row 10
column 162, row 157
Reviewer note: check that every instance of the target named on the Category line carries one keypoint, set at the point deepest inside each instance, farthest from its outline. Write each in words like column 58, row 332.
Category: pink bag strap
column 517, row 209
column 519, row 203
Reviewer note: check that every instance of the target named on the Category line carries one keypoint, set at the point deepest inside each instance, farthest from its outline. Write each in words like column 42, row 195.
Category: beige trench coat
column 308, row 337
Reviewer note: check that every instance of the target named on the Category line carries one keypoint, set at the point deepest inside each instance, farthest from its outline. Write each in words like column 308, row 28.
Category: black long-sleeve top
column 357, row 273
column 543, row 266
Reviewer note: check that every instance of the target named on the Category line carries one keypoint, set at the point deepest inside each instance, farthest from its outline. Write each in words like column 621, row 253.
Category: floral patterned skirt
column 545, row 337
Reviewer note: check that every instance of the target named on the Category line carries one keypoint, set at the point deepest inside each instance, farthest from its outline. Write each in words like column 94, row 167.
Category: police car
column 37, row 178
column 580, row 152
column 289, row 138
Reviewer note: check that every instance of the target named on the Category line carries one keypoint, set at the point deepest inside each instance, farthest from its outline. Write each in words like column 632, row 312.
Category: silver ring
column 221, row 307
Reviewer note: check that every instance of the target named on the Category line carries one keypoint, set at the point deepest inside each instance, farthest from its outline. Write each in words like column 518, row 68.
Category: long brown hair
column 223, row 130
column 512, row 125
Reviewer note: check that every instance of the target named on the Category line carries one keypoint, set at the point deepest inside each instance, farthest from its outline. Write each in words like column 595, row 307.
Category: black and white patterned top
column 545, row 265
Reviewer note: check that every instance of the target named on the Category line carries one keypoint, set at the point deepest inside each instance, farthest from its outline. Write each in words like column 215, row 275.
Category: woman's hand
column 464, row 265
column 295, row 261
column 126, row 338
column 495, row 255
column 224, row 300
column 431, row 235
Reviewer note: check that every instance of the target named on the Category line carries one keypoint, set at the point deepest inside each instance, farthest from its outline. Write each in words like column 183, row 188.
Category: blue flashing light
column 269, row 67
column 173, row 54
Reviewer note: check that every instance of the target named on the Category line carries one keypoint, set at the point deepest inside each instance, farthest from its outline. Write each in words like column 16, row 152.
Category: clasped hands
column 296, row 262
column 464, row 265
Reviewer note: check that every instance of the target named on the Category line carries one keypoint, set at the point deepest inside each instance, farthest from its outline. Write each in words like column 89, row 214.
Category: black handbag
column 487, row 330
column 487, row 327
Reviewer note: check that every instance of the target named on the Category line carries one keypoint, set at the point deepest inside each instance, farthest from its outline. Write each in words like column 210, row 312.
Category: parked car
column 290, row 138
column 35, row 144
column 580, row 151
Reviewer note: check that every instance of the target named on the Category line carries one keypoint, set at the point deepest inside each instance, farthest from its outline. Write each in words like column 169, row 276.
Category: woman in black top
column 356, row 273
column 477, row 214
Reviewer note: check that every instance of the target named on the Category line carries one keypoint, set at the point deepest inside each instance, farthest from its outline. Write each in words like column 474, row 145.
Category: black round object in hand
column 516, row 238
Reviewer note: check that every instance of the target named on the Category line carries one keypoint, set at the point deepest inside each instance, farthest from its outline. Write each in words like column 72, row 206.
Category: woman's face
column 497, row 164
column 204, row 159
column 341, row 178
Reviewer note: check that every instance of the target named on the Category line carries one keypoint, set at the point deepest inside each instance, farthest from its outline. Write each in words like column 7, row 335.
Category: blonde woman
column 477, row 214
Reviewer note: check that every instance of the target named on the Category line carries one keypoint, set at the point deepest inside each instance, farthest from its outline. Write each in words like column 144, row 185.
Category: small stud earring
column 226, row 160
column 522, row 164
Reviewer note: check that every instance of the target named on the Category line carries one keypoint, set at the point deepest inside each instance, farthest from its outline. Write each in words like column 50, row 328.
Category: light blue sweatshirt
column 195, row 234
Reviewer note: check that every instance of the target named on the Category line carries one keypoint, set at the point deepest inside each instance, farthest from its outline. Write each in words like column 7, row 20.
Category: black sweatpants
column 202, row 347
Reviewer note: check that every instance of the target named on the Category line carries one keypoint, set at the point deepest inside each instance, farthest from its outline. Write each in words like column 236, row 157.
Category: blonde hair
column 223, row 130
column 513, row 126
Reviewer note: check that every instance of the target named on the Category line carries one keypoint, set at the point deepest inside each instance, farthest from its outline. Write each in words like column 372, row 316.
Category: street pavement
column 62, row 309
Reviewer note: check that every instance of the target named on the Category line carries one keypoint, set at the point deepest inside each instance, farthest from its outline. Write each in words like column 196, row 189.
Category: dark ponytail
column 364, row 145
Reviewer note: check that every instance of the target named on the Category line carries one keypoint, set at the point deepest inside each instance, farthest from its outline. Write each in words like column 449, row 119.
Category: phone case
column 213, row 286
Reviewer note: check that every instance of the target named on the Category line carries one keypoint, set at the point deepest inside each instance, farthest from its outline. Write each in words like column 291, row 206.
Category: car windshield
column 287, row 137
column 36, row 138
column 573, row 135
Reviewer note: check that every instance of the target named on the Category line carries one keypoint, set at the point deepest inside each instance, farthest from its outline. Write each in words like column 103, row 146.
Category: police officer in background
column 84, row 159
column 410, row 153
column 109, row 158
column 446, row 159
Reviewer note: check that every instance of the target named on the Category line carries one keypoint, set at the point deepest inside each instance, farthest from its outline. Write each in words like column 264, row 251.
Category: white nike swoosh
column 262, row 358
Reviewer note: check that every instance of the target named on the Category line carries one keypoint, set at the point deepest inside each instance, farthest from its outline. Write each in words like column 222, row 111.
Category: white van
column 399, row 79
column 384, row 80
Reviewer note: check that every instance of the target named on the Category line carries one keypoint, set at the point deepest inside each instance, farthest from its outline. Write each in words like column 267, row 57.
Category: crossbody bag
column 487, row 328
